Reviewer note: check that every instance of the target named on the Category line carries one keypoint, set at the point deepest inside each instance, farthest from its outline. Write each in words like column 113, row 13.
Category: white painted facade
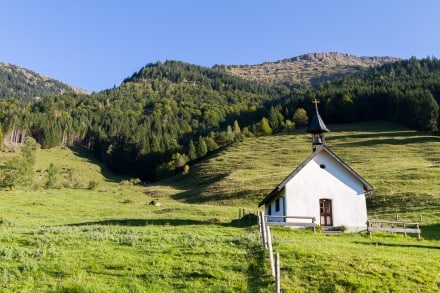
column 322, row 176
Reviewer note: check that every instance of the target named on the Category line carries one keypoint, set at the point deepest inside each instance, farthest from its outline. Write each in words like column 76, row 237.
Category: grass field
column 109, row 239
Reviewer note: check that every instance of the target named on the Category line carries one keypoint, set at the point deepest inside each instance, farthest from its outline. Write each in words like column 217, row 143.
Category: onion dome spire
column 317, row 128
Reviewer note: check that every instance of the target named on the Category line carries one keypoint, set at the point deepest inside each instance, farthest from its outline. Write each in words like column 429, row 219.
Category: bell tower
column 317, row 128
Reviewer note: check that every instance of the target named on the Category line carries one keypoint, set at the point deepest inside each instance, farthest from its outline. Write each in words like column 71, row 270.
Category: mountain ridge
column 27, row 85
column 308, row 69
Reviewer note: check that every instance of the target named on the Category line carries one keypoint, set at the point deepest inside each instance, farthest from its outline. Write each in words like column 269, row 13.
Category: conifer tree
column 202, row 149
column 192, row 153
column 236, row 128
column 211, row 144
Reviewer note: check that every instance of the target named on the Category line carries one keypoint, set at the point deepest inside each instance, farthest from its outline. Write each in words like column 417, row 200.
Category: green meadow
column 97, row 232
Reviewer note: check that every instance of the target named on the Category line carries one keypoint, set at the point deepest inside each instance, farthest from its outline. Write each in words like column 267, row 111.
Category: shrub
column 186, row 169
column 52, row 174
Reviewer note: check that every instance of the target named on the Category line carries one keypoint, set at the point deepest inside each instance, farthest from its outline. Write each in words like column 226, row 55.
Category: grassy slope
column 110, row 239
column 403, row 165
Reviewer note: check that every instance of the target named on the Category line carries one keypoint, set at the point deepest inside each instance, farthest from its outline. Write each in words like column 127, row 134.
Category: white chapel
column 323, row 187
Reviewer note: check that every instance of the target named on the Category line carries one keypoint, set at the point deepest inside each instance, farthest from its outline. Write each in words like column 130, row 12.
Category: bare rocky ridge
column 308, row 69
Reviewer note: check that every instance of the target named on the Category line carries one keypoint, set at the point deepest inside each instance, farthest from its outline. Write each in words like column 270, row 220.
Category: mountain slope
column 26, row 85
column 308, row 69
column 244, row 173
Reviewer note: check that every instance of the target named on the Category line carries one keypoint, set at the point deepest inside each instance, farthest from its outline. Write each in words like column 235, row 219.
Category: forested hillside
column 407, row 91
column 27, row 86
column 157, row 121
column 169, row 115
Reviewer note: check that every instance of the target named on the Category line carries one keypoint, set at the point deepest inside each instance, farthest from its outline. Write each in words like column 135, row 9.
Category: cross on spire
column 316, row 102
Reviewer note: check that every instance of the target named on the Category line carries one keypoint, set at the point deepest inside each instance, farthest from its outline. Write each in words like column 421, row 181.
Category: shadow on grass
column 201, row 197
column 91, row 158
column 431, row 232
column 197, row 187
column 381, row 140
column 375, row 134
column 378, row 243
column 200, row 188
column 247, row 221
column 257, row 274
column 403, row 202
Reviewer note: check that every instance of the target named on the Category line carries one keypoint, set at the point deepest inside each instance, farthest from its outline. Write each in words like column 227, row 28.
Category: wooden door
column 325, row 212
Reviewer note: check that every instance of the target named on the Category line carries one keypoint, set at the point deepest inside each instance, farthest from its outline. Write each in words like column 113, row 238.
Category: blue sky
column 95, row 44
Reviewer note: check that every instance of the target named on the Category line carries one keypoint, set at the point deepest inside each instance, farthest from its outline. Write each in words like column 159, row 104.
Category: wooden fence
column 311, row 224
column 377, row 225
column 266, row 238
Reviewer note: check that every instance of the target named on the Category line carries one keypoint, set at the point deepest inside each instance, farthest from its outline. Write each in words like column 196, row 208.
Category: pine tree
column 202, row 149
column 192, row 153
column 273, row 118
column 236, row 128
column 211, row 144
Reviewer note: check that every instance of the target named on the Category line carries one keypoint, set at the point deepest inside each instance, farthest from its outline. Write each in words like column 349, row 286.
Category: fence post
column 261, row 227
column 259, row 221
column 314, row 224
column 421, row 219
column 239, row 214
column 277, row 273
column 264, row 223
column 269, row 242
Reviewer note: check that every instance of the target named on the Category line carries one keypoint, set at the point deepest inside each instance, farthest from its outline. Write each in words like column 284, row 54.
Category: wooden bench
column 311, row 224
column 377, row 225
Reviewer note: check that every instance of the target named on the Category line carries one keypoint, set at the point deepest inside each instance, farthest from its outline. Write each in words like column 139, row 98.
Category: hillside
column 307, row 69
column 111, row 239
column 245, row 172
column 26, row 85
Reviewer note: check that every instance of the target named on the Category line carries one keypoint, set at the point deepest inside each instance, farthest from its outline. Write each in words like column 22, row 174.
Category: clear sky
column 95, row 44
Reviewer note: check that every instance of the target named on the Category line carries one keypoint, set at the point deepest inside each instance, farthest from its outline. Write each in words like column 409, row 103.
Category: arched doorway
column 325, row 212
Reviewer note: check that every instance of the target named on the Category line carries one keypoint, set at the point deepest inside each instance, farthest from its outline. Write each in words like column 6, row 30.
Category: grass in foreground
column 356, row 263
column 86, row 241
